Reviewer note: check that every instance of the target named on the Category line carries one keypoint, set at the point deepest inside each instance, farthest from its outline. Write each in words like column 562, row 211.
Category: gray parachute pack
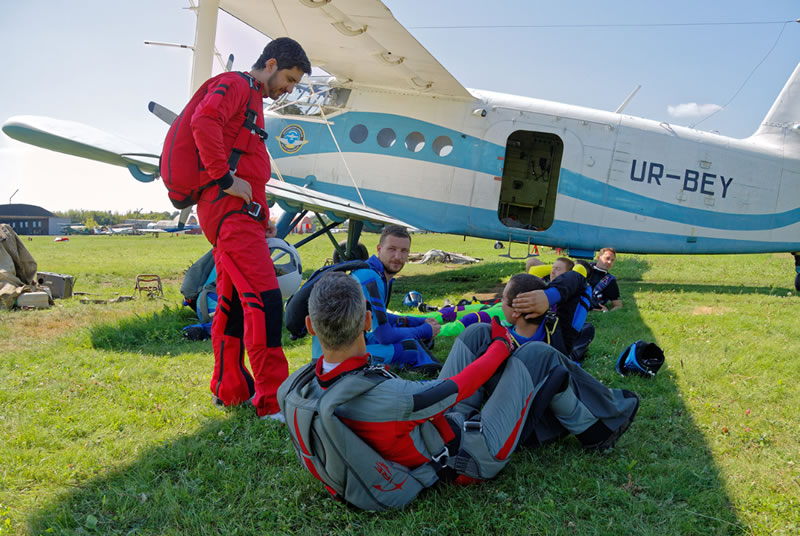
column 350, row 469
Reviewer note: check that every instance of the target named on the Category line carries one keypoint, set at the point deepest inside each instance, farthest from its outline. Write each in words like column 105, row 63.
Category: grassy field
column 107, row 425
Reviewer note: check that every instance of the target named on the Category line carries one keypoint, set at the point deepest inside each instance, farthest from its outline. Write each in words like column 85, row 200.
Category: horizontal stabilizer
column 81, row 140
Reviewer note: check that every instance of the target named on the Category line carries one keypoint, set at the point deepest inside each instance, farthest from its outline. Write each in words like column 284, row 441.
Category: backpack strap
column 296, row 309
column 553, row 333
column 601, row 286
column 550, row 326
column 249, row 127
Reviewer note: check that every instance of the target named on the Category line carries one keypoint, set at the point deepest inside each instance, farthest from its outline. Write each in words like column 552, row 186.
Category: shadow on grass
column 156, row 334
column 708, row 289
column 235, row 475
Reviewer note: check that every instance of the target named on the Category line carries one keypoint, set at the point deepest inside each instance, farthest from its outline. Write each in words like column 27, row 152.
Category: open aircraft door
column 533, row 156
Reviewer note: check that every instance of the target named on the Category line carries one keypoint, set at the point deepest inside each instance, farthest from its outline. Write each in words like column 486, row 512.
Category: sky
column 86, row 61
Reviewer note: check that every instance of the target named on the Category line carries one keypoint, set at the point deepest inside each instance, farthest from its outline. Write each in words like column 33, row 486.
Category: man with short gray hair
column 490, row 397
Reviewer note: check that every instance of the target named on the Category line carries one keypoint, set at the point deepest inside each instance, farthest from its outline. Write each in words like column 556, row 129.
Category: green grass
column 107, row 426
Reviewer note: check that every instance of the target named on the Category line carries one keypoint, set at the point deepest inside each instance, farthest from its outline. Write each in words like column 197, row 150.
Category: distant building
column 306, row 225
column 32, row 220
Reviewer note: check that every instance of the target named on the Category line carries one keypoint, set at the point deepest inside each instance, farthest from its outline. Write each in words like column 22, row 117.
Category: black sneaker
column 598, row 437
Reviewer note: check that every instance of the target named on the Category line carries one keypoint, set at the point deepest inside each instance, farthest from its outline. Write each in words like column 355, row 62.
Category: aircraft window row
column 414, row 142
column 312, row 97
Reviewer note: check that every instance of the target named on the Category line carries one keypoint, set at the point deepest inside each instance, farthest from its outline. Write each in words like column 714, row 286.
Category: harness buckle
column 253, row 209
column 473, row 426
column 444, row 453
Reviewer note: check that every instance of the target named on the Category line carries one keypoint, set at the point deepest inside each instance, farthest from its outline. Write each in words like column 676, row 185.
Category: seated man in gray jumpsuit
column 490, row 397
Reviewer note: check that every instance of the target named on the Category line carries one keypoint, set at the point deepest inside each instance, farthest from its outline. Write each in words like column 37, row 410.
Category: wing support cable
column 336, row 142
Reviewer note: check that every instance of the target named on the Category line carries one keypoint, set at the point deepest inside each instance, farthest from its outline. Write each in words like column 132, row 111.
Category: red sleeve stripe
column 309, row 465
column 300, row 437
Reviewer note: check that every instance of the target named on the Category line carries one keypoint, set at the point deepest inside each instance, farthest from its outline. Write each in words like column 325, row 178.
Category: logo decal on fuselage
column 292, row 138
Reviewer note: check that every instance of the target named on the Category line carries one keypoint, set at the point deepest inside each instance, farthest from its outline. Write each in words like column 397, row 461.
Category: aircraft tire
column 359, row 254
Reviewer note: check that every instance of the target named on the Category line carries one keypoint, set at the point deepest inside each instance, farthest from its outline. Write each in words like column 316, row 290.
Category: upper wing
column 82, row 140
column 293, row 198
column 358, row 40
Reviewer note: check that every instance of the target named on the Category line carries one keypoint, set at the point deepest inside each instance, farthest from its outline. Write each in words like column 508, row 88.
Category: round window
column 386, row 137
column 442, row 146
column 358, row 134
column 415, row 142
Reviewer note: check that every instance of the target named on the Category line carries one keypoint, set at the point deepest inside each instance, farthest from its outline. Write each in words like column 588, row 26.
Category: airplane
column 125, row 230
column 174, row 225
column 391, row 136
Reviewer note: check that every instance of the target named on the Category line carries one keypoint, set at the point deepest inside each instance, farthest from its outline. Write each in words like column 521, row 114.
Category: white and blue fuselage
column 439, row 163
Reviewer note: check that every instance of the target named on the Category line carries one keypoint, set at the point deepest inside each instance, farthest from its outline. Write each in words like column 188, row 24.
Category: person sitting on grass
column 396, row 341
column 490, row 397
column 584, row 332
column 454, row 318
column 605, row 290
column 549, row 272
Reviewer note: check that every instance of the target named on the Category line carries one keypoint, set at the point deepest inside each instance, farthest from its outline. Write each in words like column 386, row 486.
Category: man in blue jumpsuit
column 398, row 341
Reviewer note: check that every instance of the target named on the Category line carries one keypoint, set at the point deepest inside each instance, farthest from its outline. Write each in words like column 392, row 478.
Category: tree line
column 106, row 217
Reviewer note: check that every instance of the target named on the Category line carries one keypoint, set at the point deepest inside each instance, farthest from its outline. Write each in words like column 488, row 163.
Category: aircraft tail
column 781, row 126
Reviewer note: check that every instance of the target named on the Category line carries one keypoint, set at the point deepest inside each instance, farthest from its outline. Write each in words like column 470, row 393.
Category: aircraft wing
column 357, row 40
column 82, row 140
column 293, row 198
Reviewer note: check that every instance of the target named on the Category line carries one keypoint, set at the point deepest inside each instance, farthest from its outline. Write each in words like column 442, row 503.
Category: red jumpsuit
column 250, row 309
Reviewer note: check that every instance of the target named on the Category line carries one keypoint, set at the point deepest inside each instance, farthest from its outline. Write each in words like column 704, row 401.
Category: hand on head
column 531, row 304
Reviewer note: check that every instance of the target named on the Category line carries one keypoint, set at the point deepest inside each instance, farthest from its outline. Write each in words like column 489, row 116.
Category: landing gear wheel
column 359, row 253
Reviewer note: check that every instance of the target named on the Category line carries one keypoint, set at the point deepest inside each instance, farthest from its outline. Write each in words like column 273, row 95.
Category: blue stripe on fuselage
column 484, row 223
column 595, row 192
column 468, row 152
column 478, row 155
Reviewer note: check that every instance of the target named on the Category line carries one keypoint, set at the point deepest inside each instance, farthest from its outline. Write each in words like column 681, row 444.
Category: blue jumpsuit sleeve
column 414, row 321
column 565, row 287
column 389, row 334
column 383, row 327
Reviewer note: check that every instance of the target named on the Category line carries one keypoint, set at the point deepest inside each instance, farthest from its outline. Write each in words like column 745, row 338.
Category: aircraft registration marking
column 693, row 180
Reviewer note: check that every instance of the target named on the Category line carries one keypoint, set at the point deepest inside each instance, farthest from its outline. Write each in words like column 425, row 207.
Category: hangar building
column 32, row 220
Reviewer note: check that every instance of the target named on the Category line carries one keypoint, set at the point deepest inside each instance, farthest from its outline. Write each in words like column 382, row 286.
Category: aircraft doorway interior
column 530, row 180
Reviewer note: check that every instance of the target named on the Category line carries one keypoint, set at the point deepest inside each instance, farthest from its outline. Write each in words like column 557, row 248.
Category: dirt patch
column 705, row 310
column 494, row 293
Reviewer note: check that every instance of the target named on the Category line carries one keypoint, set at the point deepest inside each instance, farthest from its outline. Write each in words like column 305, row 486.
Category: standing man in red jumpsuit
column 233, row 214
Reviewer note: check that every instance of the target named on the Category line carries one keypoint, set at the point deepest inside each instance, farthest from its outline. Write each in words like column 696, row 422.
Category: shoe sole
column 609, row 442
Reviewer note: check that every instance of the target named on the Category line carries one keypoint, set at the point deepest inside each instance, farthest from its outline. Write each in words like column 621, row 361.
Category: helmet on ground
column 412, row 299
column 642, row 358
column 288, row 267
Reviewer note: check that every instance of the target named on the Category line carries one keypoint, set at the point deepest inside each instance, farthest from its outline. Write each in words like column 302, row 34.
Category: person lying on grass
column 491, row 396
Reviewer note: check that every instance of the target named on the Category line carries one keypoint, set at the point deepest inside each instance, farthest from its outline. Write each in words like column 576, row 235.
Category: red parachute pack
column 185, row 182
